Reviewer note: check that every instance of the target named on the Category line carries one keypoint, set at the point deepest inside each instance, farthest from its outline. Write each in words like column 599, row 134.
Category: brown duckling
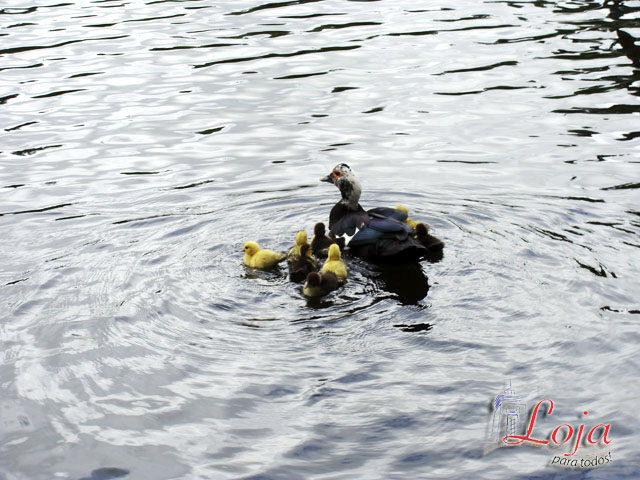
column 302, row 265
column 319, row 284
column 425, row 238
column 320, row 242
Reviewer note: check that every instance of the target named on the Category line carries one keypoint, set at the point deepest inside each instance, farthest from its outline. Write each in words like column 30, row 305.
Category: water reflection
column 626, row 43
column 407, row 281
column 107, row 473
column 629, row 47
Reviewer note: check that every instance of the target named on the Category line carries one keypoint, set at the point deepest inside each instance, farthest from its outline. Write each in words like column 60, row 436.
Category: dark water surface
column 143, row 142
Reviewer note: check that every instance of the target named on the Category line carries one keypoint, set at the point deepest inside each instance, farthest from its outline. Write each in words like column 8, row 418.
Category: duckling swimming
column 256, row 257
column 301, row 239
column 320, row 242
column 302, row 265
column 335, row 264
column 412, row 223
column 432, row 243
column 319, row 284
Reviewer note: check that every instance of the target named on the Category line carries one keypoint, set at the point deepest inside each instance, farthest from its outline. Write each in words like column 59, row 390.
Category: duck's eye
column 337, row 174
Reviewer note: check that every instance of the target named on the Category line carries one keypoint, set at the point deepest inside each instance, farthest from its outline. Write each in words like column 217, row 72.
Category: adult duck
column 379, row 234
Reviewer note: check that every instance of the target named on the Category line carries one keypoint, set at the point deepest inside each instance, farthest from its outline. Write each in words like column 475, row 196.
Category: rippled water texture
column 143, row 142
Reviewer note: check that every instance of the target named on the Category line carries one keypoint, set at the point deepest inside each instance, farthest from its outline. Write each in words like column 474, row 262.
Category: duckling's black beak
column 328, row 178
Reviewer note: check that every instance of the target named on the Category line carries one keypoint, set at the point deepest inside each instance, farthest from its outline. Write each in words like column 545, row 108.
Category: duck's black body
column 343, row 219
column 382, row 235
column 386, row 238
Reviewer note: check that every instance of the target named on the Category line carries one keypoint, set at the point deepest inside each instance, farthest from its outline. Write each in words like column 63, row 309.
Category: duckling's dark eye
column 337, row 174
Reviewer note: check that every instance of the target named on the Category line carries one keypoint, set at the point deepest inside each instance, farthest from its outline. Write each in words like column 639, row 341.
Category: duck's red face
column 347, row 182
column 337, row 174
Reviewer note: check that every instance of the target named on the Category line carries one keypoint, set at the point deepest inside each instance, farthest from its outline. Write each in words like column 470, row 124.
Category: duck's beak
column 328, row 178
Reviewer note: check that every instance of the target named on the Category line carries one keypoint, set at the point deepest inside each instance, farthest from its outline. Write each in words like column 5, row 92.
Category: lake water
column 143, row 142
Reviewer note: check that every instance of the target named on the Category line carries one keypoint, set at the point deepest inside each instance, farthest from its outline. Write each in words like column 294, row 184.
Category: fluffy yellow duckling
column 335, row 264
column 412, row 223
column 301, row 239
column 256, row 257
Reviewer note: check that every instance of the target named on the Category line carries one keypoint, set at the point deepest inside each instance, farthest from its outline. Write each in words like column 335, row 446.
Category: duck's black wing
column 388, row 212
column 381, row 227
column 343, row 220
column 387, row 239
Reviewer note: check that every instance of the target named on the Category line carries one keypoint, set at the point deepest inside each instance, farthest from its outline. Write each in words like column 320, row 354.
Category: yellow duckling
column 412, row 223
column 335, row 264
column 259, row 258
column 301, row 239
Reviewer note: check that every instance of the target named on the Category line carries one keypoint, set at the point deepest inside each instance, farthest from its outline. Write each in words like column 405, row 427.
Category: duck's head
column 343, row 177
column 334, row 252
column 313, row 280
column 251, row 248
column 319, row 230
column 301, row 238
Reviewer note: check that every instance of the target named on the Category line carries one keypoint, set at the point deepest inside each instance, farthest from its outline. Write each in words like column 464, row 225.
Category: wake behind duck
column 380, row 234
